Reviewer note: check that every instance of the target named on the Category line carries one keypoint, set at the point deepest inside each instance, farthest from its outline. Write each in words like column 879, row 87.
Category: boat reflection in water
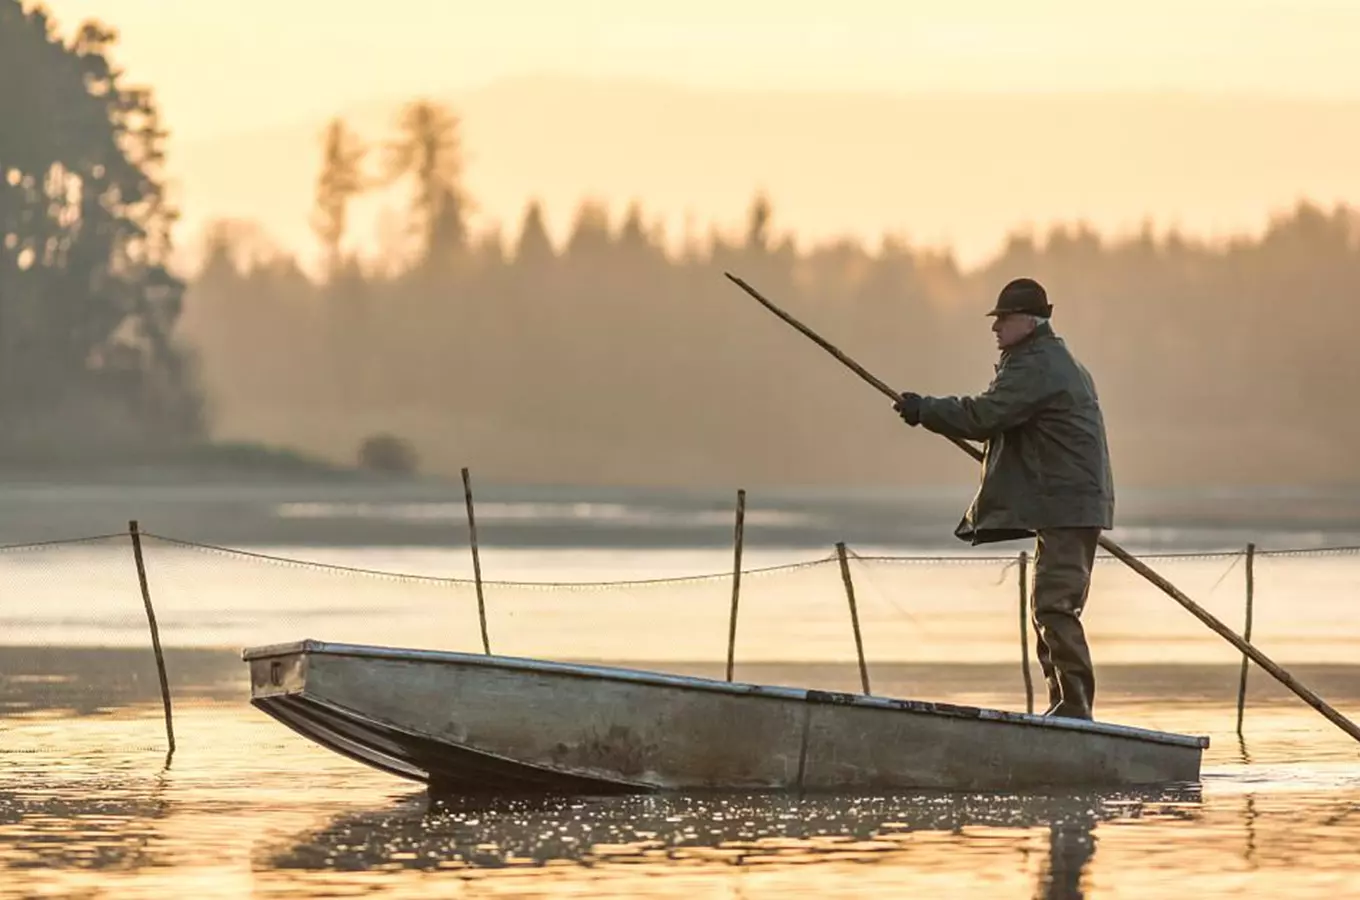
column 907, row 836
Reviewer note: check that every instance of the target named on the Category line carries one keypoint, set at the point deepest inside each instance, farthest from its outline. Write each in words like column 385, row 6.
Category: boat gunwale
column 712, row 685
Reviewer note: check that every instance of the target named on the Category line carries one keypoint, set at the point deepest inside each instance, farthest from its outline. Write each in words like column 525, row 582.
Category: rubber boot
column 1076, row 699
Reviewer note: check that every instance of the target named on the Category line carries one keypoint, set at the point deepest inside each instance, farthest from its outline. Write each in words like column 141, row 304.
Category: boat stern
column 277, row 670
column 310, row 687
column 278, row 688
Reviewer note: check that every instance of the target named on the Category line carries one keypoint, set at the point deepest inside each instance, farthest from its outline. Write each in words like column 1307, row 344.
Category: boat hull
column 468, row 723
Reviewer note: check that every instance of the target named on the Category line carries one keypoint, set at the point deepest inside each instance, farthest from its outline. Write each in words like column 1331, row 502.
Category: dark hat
column 1023, row 295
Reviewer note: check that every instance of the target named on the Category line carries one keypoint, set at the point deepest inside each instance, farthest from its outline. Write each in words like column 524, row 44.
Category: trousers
column 1063, row 559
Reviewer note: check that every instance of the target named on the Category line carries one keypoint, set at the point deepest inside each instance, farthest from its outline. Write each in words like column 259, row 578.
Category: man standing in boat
column 1045, row 474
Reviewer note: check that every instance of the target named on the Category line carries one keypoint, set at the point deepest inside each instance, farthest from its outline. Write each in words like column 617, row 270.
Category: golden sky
column 227, row 71
column 224, row 66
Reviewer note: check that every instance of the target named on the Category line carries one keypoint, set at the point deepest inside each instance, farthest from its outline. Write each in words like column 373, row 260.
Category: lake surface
column 90, row 808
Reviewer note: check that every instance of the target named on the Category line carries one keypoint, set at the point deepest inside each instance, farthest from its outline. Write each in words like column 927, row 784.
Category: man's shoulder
column 1052, row 348
column 1066, row 369
column 1047, row 359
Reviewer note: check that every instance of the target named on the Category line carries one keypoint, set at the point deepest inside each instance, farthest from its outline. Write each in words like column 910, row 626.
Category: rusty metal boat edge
column 475, row 724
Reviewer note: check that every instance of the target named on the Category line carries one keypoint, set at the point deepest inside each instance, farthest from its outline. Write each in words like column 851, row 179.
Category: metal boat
column 466, row 723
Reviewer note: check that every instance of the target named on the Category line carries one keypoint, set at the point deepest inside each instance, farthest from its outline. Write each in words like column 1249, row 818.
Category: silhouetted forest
column 87, row 305
column 610, row 359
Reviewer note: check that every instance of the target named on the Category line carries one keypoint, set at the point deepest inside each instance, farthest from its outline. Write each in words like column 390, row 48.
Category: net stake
column 854, row 614
column 1246, row 635
column 736, row 581
column 476, row 560
column 1024, row 631
column 135, row 532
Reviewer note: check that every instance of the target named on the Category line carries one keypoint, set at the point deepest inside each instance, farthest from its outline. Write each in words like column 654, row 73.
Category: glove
column 908, row 406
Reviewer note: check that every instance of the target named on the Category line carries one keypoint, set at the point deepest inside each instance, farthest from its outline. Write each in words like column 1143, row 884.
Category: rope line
column 468, row 582
column 63, row 542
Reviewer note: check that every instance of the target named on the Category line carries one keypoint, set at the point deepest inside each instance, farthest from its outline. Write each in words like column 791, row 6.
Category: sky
column 225, row 71
column 225, row 67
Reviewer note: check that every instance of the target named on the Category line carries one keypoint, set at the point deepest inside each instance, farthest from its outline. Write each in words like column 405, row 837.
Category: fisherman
column 1045, row 474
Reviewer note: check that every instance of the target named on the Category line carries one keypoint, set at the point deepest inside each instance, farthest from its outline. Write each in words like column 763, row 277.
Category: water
column 90, row 806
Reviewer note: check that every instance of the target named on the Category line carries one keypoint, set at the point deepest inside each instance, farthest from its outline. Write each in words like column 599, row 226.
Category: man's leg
column 1041, row 651
column 1062, row 581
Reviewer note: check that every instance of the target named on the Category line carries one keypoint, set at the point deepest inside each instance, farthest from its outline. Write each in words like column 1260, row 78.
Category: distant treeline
column 610, row 359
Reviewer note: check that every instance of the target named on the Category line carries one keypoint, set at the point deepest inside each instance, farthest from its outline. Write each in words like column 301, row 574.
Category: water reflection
column 1070, row 847
column 751, row 830
column 108, row 825
column 1249, row 826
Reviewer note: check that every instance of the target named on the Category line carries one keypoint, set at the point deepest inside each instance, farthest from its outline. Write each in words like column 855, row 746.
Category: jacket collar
column 1040, row 333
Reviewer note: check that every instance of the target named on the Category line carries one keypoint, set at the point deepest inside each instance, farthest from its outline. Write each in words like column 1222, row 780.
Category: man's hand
column 908, row 406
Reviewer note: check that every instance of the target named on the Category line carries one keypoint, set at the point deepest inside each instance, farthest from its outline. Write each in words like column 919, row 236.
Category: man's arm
column 1020, row 390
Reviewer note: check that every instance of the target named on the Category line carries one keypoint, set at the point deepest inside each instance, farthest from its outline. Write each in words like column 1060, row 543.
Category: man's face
column 1011, row 329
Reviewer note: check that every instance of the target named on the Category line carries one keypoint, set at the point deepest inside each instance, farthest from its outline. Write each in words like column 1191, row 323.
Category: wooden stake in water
column 476, row 560
column 854, row 614
column 136, row 534
column 1024, row 630
column 1246, row 634
column 736, row 582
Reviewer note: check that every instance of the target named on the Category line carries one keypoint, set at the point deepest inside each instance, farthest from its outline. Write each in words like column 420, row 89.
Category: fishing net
column 76, row 635
column 789, row 607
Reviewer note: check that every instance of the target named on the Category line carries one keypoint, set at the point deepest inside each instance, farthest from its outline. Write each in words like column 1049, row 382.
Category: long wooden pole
column 1110, row 546
column 736, row 582
column 136, row 534
column 476, row 560
column 854, row 615
column 1024, row 631
column 1246, row 635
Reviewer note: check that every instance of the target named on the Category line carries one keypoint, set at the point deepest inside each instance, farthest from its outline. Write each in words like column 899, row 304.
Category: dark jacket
column 1046, row 462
